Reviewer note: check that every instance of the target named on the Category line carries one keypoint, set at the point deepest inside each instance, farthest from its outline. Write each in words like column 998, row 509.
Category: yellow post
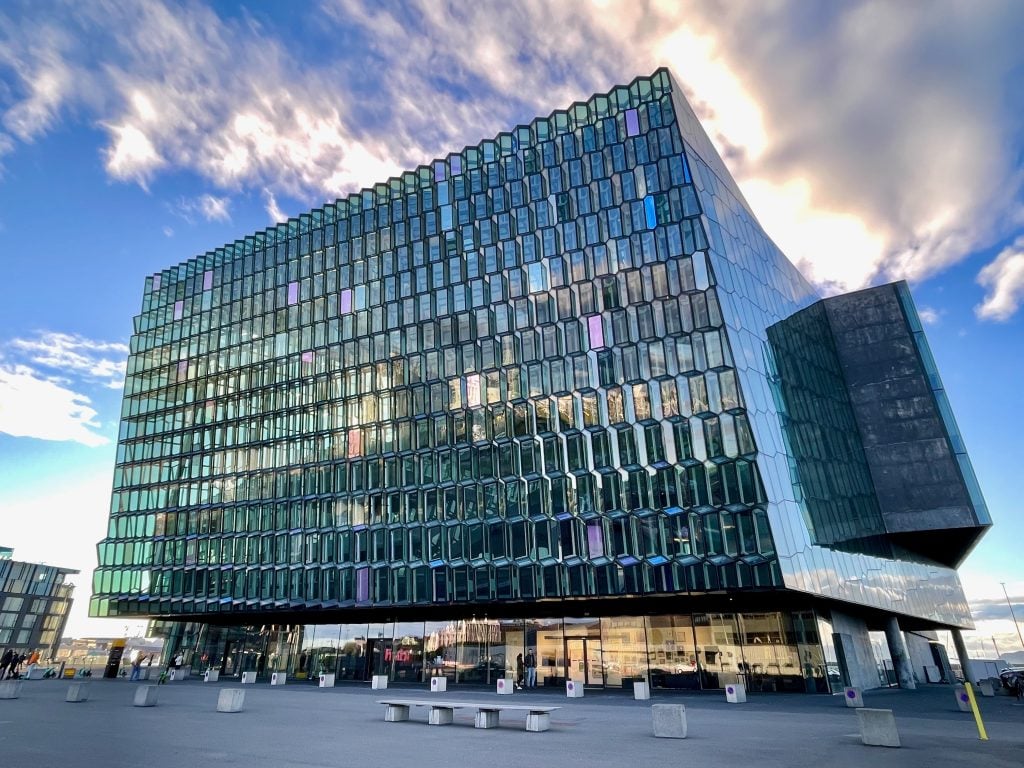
column 977, row 715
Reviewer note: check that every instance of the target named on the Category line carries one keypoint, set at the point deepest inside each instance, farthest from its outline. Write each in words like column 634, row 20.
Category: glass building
column 34, row 606
column 556, row 393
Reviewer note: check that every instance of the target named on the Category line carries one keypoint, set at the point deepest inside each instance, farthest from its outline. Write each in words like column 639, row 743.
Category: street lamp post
column 1012, row 614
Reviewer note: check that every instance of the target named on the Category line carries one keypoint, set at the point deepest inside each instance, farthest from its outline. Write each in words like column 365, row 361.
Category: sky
column 874, row 140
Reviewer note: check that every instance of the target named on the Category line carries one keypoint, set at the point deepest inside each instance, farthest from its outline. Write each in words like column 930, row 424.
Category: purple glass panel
column 346, row 301
column 596, row 329
column 207, row 279
column 456, row 163
column 362, row 585
column 156, row 282
column 632, row 123
column 439, row 171
column 595, row 539
column 182, row 369
column 293, row 293
column 179, row 309
column 308, row 356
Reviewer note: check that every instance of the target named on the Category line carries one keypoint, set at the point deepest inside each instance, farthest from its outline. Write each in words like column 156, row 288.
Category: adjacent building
column 556, row 393
column 34, row 604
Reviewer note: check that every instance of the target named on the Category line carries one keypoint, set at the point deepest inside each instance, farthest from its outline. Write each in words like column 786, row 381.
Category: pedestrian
column 5, row 663
column 531, row 669
column 136, row 668
column 179, row 660
column 520, row 671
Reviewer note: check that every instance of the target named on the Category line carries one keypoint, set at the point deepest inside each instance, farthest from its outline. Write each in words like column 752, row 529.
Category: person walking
column 5, row 663
column 520, row 671
column 136, row 668
column 531, row 669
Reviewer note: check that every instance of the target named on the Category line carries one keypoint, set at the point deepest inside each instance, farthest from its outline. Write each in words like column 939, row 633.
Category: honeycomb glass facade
column 529, row 381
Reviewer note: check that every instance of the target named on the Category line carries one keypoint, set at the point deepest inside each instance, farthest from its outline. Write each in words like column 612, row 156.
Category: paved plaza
column 301, row 725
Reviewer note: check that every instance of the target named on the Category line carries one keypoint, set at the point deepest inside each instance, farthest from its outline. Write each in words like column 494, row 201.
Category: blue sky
column 874, row 140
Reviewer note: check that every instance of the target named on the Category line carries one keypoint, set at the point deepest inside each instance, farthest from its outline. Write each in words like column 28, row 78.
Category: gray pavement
column 301, row 725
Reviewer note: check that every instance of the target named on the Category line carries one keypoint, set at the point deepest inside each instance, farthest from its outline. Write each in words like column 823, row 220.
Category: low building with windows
column 554, row 395
column 35, row 599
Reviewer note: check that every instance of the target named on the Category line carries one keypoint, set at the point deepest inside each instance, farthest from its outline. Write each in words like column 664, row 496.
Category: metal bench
column 538, row 718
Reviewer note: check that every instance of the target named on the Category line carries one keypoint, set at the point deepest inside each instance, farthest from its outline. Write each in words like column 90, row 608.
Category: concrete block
column 34, row 672
column 853, row 697
column 248, row 678
column 985, row 688
column 278, row 678
column 505, row 688
column 231, row 700
column 178, row 674
column 326, row 681
column 379, row 682
column 10, row 689
column 441, row 716
column 77, row 692
column 641, row 691
column 438, row 684
column 962, row 702
column 538, row 721
column 669, row 721
column 145, row 696
column 736, row 693
column 396, row 713
column 573, row 690
column 487, row 718
column 878, row 727
column 145, row 673
column 211, row 676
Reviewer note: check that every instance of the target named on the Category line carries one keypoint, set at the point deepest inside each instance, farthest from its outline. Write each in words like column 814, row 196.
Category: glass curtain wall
column 769, row 651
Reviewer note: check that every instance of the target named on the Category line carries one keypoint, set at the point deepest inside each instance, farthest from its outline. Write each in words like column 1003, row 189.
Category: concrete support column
column 900, row 656
column 961, row 653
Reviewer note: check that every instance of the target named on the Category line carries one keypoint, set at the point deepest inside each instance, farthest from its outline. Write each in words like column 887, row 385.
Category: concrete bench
column 878, row 727
column 145, row 696
column 538, row 718
column 230, row 700
column 10, row 689
column 77, row 692
column 669, row 721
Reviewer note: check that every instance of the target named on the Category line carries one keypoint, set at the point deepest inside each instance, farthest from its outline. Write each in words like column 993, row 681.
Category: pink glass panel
column 179, row 309
column 346, row 301
column 293, row 293
column 596, row 329
column 207, row 279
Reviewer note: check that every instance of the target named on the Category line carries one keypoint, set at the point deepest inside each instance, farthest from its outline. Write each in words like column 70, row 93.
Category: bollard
column 736, row 693
column 77, row 692
column 145, row 696
column 641, row 691
column 231, row 700
column 962, row 702
column 669, row 721
column 573, row 690
column 878, row 727
column 438, row 684
column 853, row 697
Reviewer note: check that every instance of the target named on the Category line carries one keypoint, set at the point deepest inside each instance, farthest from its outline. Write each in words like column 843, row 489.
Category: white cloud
column 273, row 210
column 210, row 207
column 929, row 315
column 1003, row 280
column 32, row 406
column 168, row 232
column 874, row 140
column 74, row 355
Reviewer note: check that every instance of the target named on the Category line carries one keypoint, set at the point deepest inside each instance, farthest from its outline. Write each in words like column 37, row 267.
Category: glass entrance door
column 583, row 660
